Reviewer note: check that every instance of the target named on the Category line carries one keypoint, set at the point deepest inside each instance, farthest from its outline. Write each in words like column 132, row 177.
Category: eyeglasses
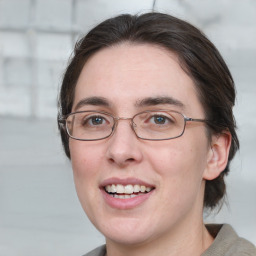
column 147, row 125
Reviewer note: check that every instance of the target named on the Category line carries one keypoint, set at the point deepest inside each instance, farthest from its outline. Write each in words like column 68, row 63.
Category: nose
column 124, row 146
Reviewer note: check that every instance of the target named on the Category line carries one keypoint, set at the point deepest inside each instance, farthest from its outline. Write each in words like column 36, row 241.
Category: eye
column 161, row 119
column 94, row 120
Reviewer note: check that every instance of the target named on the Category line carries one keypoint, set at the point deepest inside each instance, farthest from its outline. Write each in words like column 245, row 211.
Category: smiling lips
column 126, row 191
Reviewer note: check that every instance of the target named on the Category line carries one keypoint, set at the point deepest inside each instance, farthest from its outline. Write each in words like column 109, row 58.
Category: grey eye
column 160, row 119
column 90, row 121
column 97, row 120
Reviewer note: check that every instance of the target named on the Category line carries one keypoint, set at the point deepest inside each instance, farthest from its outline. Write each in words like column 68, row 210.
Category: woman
column 146, row 119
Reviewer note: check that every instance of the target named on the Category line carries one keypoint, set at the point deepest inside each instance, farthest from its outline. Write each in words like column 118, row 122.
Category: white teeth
column 136, row 188
column 148, row 189
column 142, row 188
column 126, row 196
column 113, row 188
column 108, row 188
column 119, row 189
column 128, row 189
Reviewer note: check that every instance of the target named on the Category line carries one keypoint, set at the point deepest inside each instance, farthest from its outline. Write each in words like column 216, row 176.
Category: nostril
column 121, row 162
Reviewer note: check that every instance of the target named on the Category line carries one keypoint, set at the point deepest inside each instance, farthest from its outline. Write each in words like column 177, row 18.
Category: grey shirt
column 226, row 243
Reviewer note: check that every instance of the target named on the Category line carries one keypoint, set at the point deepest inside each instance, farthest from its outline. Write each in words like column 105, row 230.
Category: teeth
column 113, row 188
column 148, row 189
column 128, row 189
column 136, row 188
column 125, row 196
column 142, row 188
column 119, row 189
column 108, row 188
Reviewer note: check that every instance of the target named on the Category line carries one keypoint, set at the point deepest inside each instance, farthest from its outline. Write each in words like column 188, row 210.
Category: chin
column 128, row 238
column 126, row 231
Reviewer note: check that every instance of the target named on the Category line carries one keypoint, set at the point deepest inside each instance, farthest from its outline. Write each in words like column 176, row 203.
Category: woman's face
column 121, row 80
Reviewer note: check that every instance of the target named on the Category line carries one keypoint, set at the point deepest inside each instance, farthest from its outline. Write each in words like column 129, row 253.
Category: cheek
column 175, row 159
column 180, row 165
column 86, row 163
column 84, row 158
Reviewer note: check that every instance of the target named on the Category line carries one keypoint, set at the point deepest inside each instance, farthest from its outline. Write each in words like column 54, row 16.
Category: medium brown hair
column 198, row 57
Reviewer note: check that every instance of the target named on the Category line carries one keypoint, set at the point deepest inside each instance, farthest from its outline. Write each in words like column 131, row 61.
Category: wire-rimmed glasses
column 147, row 125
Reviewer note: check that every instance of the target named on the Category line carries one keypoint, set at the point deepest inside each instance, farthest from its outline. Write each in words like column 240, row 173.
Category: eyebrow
column 152, row 101
column 149, row 101
column 95, row 101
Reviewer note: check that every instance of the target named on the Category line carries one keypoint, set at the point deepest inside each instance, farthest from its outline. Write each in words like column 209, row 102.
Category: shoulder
column 99, row 251
column 228, row 243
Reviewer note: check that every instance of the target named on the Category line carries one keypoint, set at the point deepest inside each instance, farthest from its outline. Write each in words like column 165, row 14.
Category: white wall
column 39, row 211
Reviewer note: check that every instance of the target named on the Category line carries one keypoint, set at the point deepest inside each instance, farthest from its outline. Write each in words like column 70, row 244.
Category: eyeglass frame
column 62, row 121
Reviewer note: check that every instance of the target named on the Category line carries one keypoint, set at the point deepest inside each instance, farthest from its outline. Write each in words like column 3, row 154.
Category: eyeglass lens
column 151, row 125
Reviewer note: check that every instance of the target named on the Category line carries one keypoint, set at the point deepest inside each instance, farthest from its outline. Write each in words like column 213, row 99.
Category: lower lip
column 127, row 203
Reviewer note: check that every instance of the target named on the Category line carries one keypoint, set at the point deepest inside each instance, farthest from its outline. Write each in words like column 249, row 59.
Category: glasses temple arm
column 196, row 120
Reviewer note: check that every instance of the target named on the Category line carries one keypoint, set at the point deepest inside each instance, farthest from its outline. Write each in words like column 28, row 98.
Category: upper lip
column 125, row 181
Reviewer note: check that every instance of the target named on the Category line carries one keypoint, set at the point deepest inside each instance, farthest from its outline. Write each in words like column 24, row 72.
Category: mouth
column 127, row 191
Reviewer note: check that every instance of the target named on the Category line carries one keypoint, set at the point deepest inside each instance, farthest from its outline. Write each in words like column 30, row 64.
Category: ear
column 218, row 155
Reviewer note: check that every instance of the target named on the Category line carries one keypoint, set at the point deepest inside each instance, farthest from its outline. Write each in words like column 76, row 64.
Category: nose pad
column 133, row 125
column 134, row 128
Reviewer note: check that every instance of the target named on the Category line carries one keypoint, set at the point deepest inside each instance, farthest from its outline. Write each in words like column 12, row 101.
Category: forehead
column 128, row 73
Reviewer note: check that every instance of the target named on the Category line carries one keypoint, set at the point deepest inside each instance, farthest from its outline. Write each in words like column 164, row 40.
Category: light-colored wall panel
column 39, row 211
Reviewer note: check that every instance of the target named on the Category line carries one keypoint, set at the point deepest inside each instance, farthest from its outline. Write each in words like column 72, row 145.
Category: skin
column 170, row 221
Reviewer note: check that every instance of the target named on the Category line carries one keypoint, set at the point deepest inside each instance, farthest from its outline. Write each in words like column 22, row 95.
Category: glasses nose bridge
column 124, row 118
column 117, row 119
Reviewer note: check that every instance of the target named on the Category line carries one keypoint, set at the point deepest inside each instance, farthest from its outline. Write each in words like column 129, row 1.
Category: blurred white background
column 39, row 211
